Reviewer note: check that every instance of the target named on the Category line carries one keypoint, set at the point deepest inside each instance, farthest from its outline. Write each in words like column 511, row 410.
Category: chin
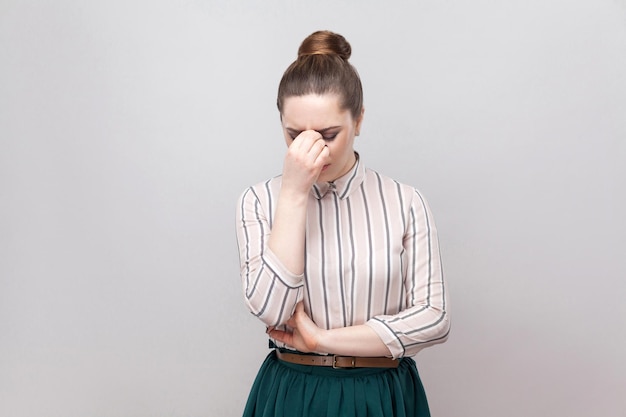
column 325, row 178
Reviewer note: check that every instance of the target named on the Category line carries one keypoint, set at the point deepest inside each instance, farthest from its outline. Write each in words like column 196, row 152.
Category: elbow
column 259, row 310
column 442, row 330
column 270, row 296
column 437, row 333
column 271, row 312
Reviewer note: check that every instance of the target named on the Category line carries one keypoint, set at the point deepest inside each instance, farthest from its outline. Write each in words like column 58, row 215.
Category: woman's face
column 323, row 114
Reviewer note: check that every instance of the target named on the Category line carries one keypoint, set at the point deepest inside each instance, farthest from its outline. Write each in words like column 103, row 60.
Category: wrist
column 294, row 197
column 325, row 342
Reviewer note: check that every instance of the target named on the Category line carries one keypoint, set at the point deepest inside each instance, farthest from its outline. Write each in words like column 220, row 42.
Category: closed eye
column 328, row 133
column 325, row 137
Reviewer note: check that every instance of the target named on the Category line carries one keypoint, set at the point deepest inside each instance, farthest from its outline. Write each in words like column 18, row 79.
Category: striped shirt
column 372, row 257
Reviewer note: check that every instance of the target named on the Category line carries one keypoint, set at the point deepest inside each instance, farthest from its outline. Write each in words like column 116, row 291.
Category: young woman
column 340, row 262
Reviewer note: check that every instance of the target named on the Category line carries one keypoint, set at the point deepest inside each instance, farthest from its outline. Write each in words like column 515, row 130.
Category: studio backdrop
column 129, row 128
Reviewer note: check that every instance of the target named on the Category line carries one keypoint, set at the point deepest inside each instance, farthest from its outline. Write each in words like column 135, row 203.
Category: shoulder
column 262, row 191
column 406, row 194
column 374, row 178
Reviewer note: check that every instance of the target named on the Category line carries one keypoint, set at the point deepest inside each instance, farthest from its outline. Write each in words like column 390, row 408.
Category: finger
column 306, row 148
column 282, row 336
column 317, row 147
column 324, row 155
column 312, row 158
column 305, row 140
column 309, row 152
column 300, row 316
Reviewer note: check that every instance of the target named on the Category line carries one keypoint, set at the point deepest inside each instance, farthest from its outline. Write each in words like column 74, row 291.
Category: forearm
column 288, row 231
column 306, row 336
column 358, row 340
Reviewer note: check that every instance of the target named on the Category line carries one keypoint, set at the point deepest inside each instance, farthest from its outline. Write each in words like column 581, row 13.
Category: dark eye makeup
column 328, row 136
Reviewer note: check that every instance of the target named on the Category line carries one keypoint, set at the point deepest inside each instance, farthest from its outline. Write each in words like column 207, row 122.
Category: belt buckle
column 343, row 367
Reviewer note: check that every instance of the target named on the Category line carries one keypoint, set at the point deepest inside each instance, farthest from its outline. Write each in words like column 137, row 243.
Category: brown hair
column 322, row 67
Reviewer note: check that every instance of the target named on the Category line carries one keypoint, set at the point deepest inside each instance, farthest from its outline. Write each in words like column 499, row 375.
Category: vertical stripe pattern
column 372, row 257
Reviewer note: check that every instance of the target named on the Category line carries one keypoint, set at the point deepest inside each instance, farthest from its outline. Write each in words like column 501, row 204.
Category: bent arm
column 271, row 245
column 305, row 336
column 425, row 321
column 271, row 290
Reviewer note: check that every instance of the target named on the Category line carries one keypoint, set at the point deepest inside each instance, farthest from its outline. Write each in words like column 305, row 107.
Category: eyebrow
column 322, row 131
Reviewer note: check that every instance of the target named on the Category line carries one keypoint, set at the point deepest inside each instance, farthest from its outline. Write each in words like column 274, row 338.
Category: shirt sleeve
column 425, row 321
column 271, row 291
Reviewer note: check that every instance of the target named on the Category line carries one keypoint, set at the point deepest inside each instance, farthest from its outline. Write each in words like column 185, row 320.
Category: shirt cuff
column 388, row 337
column 282, row 273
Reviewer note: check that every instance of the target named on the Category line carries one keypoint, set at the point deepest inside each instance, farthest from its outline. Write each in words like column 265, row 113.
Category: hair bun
column 325, row 42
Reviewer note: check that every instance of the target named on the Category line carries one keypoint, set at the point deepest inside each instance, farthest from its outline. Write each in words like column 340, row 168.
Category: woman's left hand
column 305, row 334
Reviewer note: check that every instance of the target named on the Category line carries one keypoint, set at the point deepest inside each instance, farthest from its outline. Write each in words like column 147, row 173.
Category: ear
column 359, row 120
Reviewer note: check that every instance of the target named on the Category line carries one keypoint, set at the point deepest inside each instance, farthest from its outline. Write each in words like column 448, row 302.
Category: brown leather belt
column 337, row 361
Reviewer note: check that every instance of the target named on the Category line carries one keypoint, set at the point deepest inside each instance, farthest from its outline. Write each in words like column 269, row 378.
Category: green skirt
column 283, row 389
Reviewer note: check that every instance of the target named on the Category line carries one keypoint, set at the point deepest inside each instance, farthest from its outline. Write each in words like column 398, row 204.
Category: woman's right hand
column 306, row 156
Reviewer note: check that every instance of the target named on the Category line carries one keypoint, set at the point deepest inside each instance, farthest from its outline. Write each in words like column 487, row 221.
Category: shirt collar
column 344, row 185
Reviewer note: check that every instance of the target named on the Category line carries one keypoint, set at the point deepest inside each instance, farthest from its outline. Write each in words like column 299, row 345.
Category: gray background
column 129, row 128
